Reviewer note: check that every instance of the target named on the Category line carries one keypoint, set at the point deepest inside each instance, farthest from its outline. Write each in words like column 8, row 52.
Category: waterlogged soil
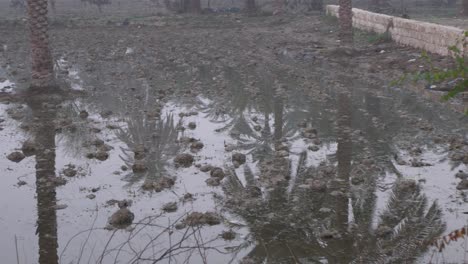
column 226, row 139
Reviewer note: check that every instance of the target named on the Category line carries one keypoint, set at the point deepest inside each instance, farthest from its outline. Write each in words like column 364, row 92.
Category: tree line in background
column 195, row 6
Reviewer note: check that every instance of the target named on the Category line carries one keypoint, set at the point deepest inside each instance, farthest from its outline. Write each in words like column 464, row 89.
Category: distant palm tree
column 42, row 66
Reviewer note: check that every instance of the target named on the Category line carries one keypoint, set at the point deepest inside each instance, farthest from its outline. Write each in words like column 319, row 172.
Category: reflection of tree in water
column 156, row 138
column 247, row 112
column 44, row 137
column 327, row 214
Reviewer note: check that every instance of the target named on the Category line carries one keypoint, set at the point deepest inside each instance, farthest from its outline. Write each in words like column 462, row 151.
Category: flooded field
column 226, row 139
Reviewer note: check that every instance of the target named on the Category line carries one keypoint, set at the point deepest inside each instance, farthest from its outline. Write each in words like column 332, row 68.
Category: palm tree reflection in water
column 320, row 215
column 44, row 137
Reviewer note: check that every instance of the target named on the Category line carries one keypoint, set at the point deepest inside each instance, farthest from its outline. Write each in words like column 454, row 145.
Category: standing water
column 220, row 150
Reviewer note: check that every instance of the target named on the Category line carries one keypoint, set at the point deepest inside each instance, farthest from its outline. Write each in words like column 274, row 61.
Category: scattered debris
column 217, row 172
column 197, row 218
column 60, row 206
column 228, row 235
column 238, row 158
column 184, row 160
column 29, row 148
column 16, row 156
column 170, row 207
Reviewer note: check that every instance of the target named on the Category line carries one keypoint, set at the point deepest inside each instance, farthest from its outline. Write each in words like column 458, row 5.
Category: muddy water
column 337, row 171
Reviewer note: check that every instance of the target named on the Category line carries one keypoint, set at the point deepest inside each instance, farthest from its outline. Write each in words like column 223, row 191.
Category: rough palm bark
column 346, row 20
column 42, row 67
column 44, row 132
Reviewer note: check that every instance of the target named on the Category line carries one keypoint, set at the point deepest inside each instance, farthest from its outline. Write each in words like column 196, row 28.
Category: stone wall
column 427, row 36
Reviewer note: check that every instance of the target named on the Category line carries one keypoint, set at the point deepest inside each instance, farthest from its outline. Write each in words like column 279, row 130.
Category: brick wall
column 427, row 36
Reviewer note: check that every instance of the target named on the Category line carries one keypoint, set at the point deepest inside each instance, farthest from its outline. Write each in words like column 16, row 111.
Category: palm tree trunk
column 346, row 20
column 45, row 183
column 42, row 67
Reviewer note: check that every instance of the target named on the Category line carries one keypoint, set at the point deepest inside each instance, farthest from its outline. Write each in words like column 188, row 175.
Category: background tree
column 191, row 6
column 42, row 67
column 316, row 4
column 18, row 4
column 98, row 3
column 250, row 6
column 465, row 7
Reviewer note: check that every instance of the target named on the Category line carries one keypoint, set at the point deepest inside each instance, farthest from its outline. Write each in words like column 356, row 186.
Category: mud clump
column 180, row 226
column 83, row 114
column 170, row 207
column 418, row 163
column 206, row 168
column 213, row 182
column 188, row 197
column 461, row 175
column 192, row 125
column 238, row 159
column 101, row 155
column 29, row 148
column 139, row 167
column 217, row 172
column 228, row 235
column 69, row 171
column 199, row 219
column 196, row 146
column 122, row 218
column 463, row 185
column 184, row 160
column 314, row 148
column 21, row 183
column 16, row 156
column 158, row 185
column 59, row 181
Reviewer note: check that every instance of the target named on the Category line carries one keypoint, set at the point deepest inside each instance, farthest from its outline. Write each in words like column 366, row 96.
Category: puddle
column 330, row 172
